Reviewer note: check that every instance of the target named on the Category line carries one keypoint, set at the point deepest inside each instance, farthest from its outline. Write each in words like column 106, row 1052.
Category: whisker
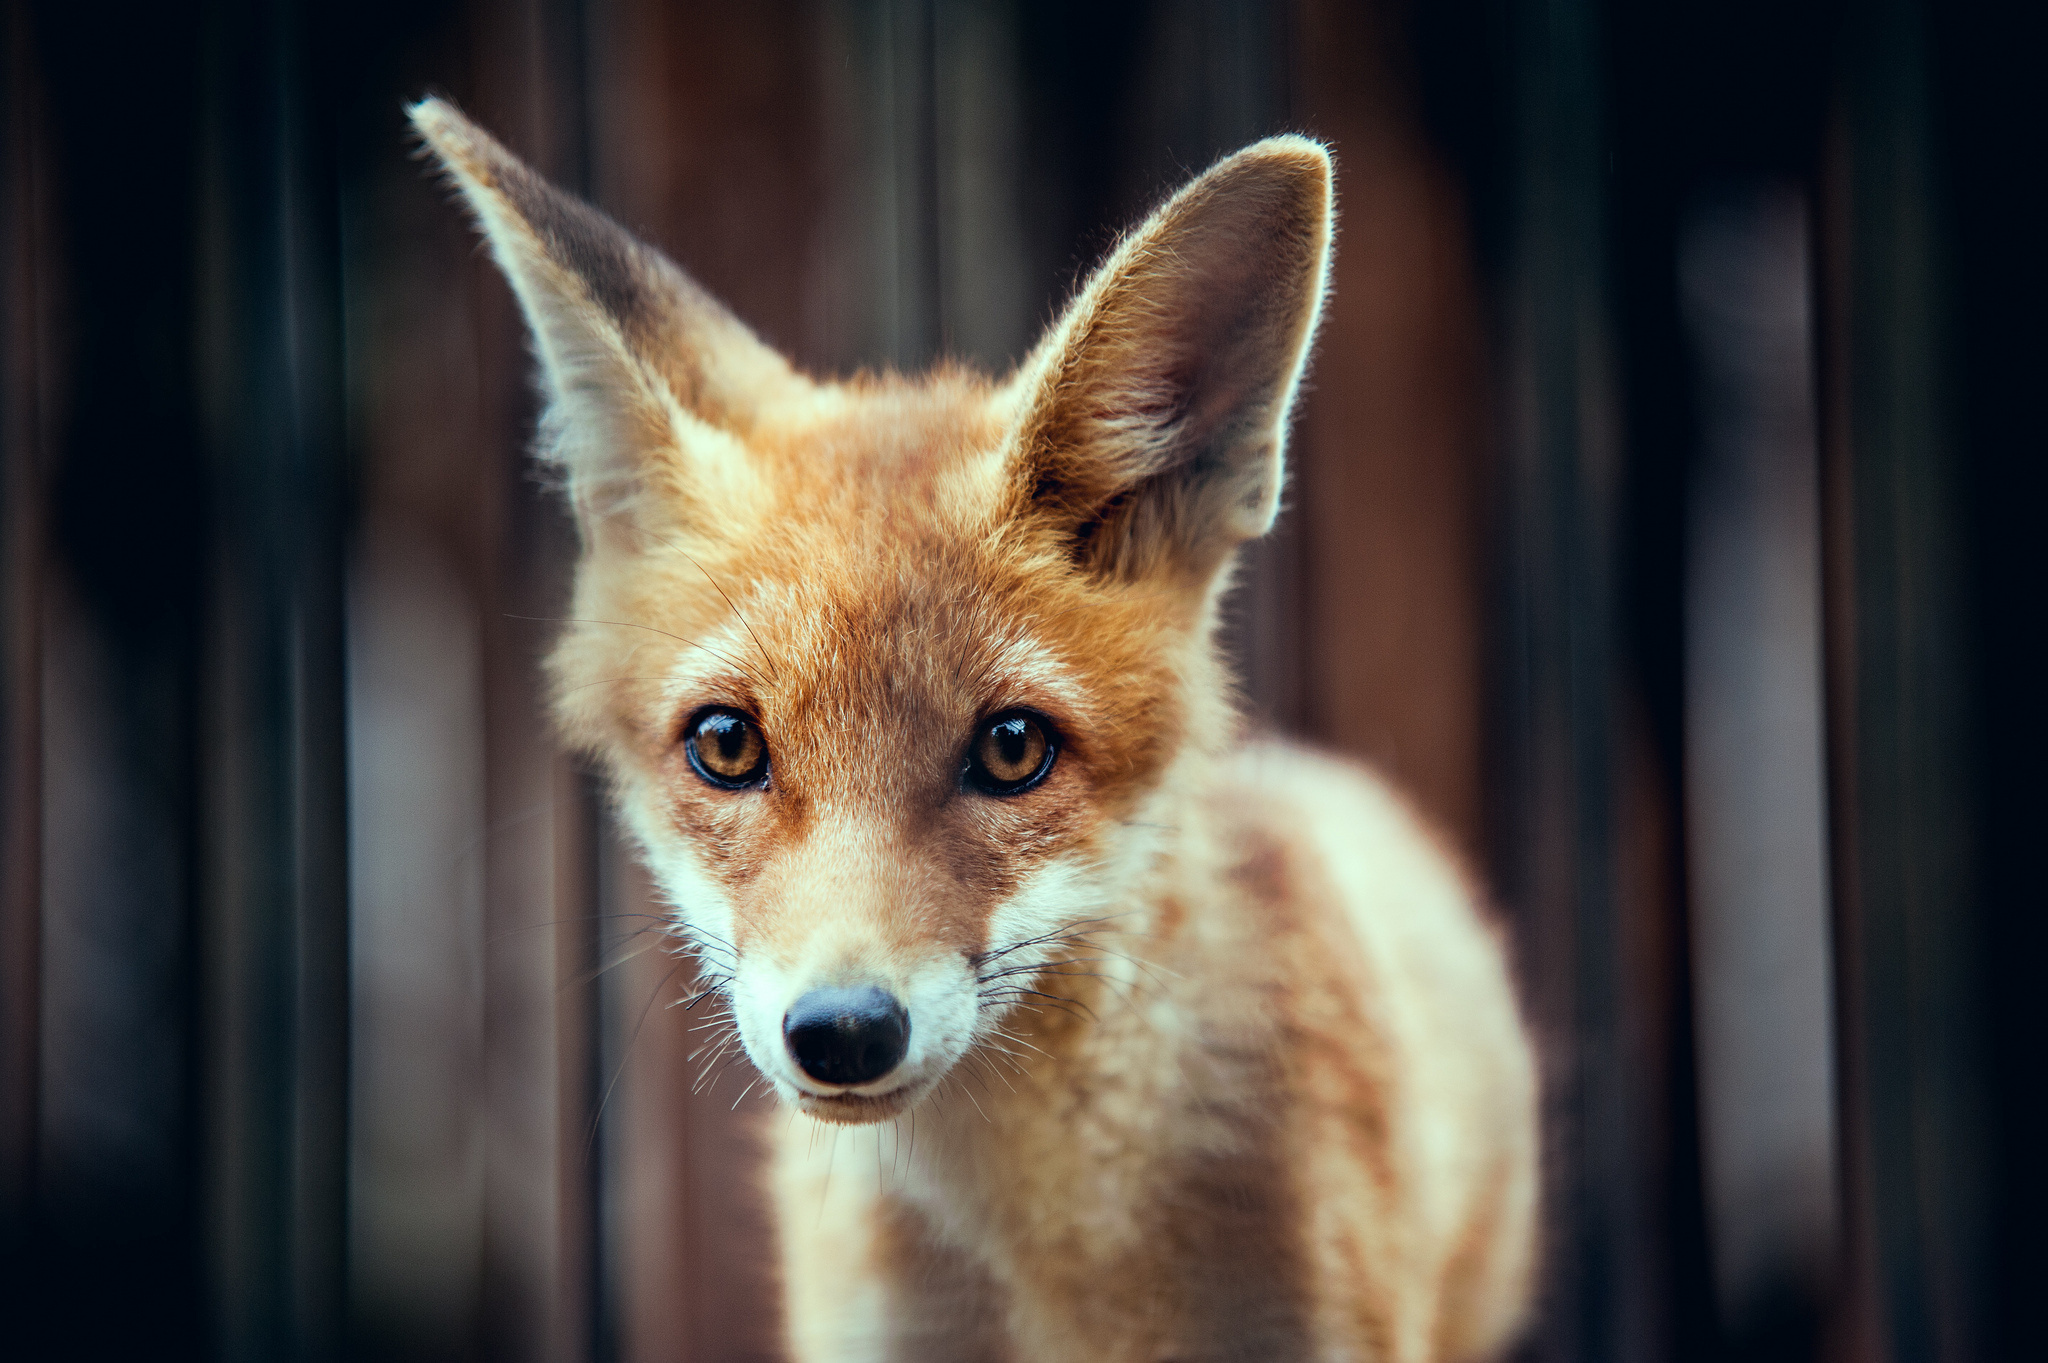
column 590, row 1141
column 689, row 1004
column 1076, row 931
column 1064, row 1004
column 502, row 826
column 968, row 1093
column 988, row 1067
column 715, row 1045
column 1005, row 1050
column 589, row 975
column 831, row 1157
column 508, row 933
column 732, row 1060
column 775, row 667
column 712, row 1048
column 724, row 1044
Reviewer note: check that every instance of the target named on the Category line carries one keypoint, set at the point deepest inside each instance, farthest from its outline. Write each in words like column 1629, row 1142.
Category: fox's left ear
column 1155, row 413
column 651, row 385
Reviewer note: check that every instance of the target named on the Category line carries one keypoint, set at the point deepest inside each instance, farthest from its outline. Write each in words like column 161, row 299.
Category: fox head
column 888, row 673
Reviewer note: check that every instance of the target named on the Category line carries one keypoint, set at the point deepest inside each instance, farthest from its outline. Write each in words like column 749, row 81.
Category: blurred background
column 1663, row 516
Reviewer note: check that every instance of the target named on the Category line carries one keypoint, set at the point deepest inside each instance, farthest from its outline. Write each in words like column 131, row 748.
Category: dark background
column 305, row 1051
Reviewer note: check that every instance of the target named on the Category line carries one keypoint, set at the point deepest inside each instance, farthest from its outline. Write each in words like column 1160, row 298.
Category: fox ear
column 650, row 384
column 1155, row 412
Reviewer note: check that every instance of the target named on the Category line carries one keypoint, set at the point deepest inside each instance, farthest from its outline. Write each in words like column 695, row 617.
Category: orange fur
column 1252, row 1082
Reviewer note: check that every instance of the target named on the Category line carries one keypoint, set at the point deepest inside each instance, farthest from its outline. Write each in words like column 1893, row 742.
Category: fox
column 1191, row 1045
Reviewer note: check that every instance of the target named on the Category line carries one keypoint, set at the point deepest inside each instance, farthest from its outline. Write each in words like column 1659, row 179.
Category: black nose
column 847, row 1036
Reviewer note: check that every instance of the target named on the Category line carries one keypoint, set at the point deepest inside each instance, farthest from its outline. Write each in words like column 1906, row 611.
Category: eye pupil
column 1011, row 740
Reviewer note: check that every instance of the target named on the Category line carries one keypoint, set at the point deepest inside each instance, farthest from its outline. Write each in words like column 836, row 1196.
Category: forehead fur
column 879, row 569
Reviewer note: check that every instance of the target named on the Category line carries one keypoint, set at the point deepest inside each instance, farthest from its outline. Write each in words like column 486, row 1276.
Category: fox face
column 888, row 673
column 893, row 769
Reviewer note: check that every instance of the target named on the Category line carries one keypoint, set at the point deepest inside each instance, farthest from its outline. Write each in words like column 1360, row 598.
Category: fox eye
column 1011, row 753
column 726, row 749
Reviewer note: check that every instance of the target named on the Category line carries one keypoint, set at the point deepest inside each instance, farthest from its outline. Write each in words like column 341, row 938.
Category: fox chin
column 909, row 691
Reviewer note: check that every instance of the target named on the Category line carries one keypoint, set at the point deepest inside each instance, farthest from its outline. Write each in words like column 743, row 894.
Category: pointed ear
column 1155, row 412
column 650, row 384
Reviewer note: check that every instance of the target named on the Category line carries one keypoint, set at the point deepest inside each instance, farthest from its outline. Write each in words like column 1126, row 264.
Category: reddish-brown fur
column 1217, row 1059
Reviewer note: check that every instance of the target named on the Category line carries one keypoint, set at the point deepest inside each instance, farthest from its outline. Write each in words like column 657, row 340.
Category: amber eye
column 726, row 749
column 1011, row 753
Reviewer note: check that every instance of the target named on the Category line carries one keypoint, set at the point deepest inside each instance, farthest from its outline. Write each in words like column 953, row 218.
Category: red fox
column 1188, row 1047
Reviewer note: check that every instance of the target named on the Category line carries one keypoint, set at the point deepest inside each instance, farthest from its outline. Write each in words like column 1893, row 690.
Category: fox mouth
column 857, row 1109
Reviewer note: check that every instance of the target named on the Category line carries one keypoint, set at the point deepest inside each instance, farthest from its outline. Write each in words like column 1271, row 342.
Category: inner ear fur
column 650, row 383
column 1155, row 411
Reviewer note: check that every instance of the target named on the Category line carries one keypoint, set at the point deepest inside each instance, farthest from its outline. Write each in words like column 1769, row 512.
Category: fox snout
column 856, row 1036
column 847, row 1036
column 853, row 984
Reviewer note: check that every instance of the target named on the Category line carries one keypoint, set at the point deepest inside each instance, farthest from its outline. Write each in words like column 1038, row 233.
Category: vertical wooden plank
column 578, row 1320
column 419, row 764
column 310, row 323
column 533, row 74
column 1987, row 111
column 1755, row 804
column 276, row 872
column 117, row 590
column 1907, row 915
column 988, row 304
column 1565, row 845
column 1391, row 442
column 530, row 79
column 24, row 347
column 1853, row 1329
column 477, row 1180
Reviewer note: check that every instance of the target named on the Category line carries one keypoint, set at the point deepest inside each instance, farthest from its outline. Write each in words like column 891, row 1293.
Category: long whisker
column 590, row 1141
column 724, row 1043
column 497, row 937
column 1074, row 931
column 969, row 1093
column 1059, row 1001
column 502, row 826
column 987, row 1066
column 1023, row 1041
column 732, row 1060
column 587, row 976
column 775, row 667
column 717, row 1041
column 690, row 1003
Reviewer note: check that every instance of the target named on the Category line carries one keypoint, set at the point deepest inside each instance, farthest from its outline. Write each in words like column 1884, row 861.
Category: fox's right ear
column 650, row 384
